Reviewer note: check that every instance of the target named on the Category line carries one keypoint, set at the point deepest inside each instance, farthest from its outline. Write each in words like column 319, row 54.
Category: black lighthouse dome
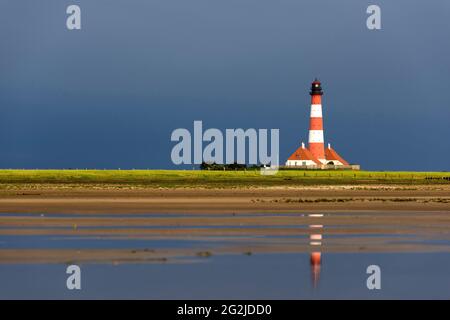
column 316, row 88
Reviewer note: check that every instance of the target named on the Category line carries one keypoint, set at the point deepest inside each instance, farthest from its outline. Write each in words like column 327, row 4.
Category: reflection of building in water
column 315, row 241
column 315, row 267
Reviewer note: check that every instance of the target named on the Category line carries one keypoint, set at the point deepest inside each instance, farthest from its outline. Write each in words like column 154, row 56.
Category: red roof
column 303, row 154
column 331, row 154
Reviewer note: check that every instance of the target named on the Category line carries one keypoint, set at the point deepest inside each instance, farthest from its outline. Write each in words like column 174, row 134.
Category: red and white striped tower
column 316, row 144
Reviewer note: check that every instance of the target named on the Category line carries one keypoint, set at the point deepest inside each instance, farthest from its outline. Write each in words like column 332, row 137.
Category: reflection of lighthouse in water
column 315, row 241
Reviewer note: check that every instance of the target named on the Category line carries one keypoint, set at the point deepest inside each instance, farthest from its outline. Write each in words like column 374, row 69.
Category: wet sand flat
column 114, row 238
column 112, row 199
column 61, row 224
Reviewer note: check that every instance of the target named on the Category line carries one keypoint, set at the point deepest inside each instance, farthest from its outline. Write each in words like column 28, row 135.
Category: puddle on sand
column 309, row 256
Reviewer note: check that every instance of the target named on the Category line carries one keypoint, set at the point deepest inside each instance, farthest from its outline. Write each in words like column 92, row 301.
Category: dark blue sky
column 110, row 95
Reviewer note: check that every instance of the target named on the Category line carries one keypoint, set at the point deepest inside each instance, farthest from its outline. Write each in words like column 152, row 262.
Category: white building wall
column 295, row 163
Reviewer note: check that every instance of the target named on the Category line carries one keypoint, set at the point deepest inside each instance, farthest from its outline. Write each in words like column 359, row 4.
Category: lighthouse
column 316, row 156
column 315, row 140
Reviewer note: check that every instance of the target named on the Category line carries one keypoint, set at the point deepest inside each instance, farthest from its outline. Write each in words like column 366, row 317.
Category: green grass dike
column 218, row 179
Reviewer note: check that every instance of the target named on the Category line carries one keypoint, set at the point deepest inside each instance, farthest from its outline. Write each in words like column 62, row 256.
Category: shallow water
column 265, row 276
column 305, row 256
